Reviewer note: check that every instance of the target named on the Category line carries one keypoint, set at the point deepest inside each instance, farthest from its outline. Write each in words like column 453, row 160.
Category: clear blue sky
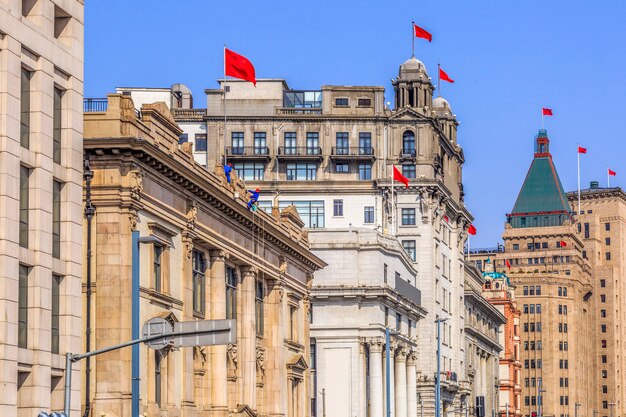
column 508, row 59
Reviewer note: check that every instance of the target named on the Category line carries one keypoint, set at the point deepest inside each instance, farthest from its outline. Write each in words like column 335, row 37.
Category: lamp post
column 136, row 241
column 576, row 405
column 539, row 391
column 438, row 376
column 611, row 409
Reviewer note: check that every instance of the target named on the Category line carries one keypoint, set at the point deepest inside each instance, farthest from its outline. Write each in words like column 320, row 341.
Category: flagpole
column 542, row 119
column 412, row 39
column 578, row 153
column 608, row 178
column 438, row 80
column 225, row 88
column 393, row 204
column 468, row 246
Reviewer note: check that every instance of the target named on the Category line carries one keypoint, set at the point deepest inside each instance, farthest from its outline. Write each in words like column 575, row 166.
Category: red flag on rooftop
column 582, row 150
column 444, row 76
column 563, row 243
column 238, row 66
column 421, row 33
column 546, row 112
column 471, row 229
column 508, row 264
column 397, row 176
column 611, row 172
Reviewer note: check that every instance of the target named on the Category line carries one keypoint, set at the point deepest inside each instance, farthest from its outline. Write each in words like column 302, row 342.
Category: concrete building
column 41, row 73
column 602, row 228
column 498, row 291
column 213, row 259
column 482, row 346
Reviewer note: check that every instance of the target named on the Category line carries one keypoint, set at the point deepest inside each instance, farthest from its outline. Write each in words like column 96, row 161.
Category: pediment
column 244, row 410
column 298, row 364
column 408, row 113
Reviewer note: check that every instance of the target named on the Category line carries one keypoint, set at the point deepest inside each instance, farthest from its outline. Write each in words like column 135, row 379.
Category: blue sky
column 508, row 59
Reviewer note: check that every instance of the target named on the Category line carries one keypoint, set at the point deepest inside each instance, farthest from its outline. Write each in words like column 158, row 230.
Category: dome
column 441, row 102
column 413, row 64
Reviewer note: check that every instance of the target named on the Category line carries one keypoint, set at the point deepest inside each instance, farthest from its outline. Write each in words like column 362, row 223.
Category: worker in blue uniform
column 227, row 170
column 254, row 197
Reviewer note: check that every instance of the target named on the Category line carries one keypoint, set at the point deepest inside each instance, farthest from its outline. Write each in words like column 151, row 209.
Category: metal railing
column 352, row 150
column 300, row 150
column 247, row 151
column 92, row 105
column 298, row 110
column 189, row 113
column 408, row 153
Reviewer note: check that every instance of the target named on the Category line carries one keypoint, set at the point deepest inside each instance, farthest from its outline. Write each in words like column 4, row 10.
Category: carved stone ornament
column 231, row 351
column 260, row 361
column 136, row 183
column 133, row 218
column 192, row 214
column 188, row 241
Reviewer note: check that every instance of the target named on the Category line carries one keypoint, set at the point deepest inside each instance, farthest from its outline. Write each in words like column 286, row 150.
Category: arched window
column 408, row 143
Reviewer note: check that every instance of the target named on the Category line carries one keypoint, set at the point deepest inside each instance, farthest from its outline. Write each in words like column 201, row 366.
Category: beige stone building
column 41, row 74
column 602, row 228
column 213, row 259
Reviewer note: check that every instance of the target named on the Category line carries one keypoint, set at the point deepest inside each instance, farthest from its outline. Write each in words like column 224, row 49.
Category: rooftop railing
column 92, row 105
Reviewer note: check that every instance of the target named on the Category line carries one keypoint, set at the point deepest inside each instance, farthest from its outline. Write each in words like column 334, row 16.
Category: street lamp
column 539, row 391
column 438, row 376
column 576, row 405
column 611, row 409
column 136, row 241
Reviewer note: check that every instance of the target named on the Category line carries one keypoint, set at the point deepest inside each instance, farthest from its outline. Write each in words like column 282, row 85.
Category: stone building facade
column 483, row 322
column 41, row 73
column 498, row 291
column 213, row 259
column 602, row 228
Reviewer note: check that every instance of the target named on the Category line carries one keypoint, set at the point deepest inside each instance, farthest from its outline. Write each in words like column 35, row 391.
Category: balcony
column 297, row 111
column 407, row 154
column 300, row 153
column 95, row 105
column 249, row 153
column 188, row 114
column 355, row 152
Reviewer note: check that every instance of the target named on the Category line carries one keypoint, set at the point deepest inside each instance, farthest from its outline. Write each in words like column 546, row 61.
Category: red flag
column 546, row 112
column 421, row 33
column 444, row 76
column 508, row 264
column 397, row 176
column 612, row 173
column 238, row 66
column 446, row 218
column 582, row 150
column 471, row 229
column 563, row 243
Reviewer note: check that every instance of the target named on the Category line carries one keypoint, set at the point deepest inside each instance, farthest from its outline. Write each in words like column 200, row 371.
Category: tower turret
column 412, row 86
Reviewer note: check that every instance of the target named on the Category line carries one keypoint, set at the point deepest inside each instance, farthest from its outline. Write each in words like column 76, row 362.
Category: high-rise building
column 395, row 259
column 602, row 228
column 41, row 71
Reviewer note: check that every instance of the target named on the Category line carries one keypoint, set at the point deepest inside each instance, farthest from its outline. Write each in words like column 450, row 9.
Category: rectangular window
column 516, row 246
column 342, row 167
column 198, row 282
column 24, row 205
column 605, row 389
column 531, row 310
column 586, row 230
column 156, row 268
column 260, row 143
column 293, row 322
column 258, row 304
column 57, row 125
column 56, row 219
column 602, row 313
column 584, row 254
column 250, row 171
column 365, row 143
column 538, row 308
column 341, row 102
column 312, row 143
column 365, row 171
column 537, row 290
column 237, row 139
column 385, row 268
column 608, row 256
column 603, row 298
column 368, row 214
column 607, row 226
column 544, row 245
column 526, row 310
column 604, row 359
column 337, row 207
column 531, row 290
column 409, row 247
column 398, row 321
column 602, row 283
column 364, row 102
column 158, row 355
column 55, row 313
column 525, row 290
column 298, row 171
column 290, row 143
column 25, row 108
column 200, row 142
column 408, row 170
column 22, row 336
column 231, row 293
column 310, row 212
column 607, row 241
column 342, row 143
column 408, row 216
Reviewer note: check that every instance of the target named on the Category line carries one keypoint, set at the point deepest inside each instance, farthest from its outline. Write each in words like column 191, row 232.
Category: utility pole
column 576, row 405
column 507, row 409
column 611, row 409
column 438, row 376
column 323, row 402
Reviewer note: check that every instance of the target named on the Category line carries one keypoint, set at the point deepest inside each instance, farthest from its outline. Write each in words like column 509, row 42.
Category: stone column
column 217, row 310
column 411, row 384
column 276, row 390
column 247, row 341
column 400, row 382
column 392, row 377
column 376, row 377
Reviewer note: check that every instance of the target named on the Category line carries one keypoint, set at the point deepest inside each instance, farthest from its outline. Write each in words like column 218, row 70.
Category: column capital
column 219, row 255
column 249, row 270
column 411, row 357
column 401, row 353
column 376, row 345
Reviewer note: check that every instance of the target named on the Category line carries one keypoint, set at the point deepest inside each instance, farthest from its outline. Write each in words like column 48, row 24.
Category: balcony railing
column 352, row 152
column 92, row 105
column 248, row 152
column 300, row 151
column 195, row 114
column 298, row 111
column 407, row 153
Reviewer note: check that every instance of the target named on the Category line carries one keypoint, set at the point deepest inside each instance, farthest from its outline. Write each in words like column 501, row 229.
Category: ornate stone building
column 213, row 259
column 483, row 322
column 329, row 152
column 602, row 227
column 498, row 291
column 41, row 74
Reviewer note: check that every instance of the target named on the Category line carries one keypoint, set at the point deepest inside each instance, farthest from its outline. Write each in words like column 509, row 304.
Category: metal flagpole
column 438, row 81
column 608, row 178
column 578, row 153
column 412, row 39
column 393, row 204
column 225, row 88
column 542, row 118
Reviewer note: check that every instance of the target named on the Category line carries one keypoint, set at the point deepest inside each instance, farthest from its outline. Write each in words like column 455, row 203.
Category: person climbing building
column 227, row 170
column 254, row 197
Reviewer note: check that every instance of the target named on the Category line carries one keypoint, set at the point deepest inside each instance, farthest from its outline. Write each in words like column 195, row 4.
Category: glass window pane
column 25, row 108
column 57, row 125
column 24, row 206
